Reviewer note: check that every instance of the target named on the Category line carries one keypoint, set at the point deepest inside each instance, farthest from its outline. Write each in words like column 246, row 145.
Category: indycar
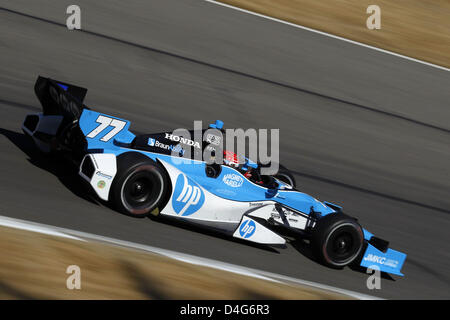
column 148, row 174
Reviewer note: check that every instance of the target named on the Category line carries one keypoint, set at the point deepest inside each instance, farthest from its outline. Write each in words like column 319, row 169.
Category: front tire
column 337, row 240
column 140, row 186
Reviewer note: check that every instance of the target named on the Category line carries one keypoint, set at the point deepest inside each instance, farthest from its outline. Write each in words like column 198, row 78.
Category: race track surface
column 361, row 128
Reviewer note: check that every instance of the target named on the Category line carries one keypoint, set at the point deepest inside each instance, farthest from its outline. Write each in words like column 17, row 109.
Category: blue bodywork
column 390, row 261
column 196, row 170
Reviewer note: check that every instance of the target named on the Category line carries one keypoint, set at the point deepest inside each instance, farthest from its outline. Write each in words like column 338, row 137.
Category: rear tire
column 140, row 187
column 285, row 176
column 337, row 240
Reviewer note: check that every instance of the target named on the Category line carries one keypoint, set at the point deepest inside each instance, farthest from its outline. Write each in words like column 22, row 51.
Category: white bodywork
column 251, row 230
column 105, row 165
column 221, row 213
column 226, row 215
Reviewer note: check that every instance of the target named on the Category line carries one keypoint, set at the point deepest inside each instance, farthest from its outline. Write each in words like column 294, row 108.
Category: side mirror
column 213, row 170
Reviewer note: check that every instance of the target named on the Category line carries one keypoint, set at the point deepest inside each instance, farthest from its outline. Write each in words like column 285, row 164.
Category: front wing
column 390, row 261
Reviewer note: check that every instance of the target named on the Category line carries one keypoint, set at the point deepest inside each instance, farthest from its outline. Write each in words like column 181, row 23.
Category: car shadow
column 185, row 224
column 359, row 269
column 304, row 249
column 66, row 172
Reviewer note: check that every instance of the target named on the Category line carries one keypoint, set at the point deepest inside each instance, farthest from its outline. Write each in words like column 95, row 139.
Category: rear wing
column 64, row 111
column 60, row 98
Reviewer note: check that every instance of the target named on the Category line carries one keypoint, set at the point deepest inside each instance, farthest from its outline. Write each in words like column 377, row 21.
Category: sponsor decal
column 233, row 180
column 275, row 215
column 101, row 184
column 381, row 260
column 182, row 140
column 213, row 139
column 173, row 148
column 151, row 142
column 103, row 175
column 247, row 228
column 187, row 197
column 255, row 204
column 226, row 192
column 210, row 148
column 373, row 258
column 391, row 263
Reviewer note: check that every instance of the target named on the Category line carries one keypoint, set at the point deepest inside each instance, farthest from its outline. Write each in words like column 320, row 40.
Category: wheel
column 140, row 186
column 285, row 176
column 337, row 240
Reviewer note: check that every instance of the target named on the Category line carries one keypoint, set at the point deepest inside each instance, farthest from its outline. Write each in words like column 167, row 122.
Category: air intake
column 87, row 167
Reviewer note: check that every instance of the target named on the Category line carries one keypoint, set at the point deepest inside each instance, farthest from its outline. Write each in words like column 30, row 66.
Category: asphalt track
column 361, row 128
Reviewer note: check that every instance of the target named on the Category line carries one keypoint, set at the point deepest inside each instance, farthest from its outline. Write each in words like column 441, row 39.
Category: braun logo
column 174, row 148
column 186, row 141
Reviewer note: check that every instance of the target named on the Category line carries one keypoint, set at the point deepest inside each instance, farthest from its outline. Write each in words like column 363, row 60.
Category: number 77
column 104, row 123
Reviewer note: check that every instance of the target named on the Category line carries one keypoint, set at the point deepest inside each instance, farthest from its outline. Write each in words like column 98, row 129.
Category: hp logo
column 187, row 197
column 247, row 229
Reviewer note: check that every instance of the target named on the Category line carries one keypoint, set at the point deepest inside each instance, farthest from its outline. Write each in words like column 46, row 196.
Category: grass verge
column 33, row 266
column 415, row 28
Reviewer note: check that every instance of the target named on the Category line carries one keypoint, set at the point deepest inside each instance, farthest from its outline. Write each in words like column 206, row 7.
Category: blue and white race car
column 142, row 175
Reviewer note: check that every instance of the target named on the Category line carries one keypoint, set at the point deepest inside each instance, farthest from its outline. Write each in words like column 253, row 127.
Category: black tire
column 140, row 186
column 286, row 176
column 337, row 240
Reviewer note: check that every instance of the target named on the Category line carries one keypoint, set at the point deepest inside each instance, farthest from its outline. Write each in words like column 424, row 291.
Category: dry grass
column 415, row 28
column 33, row 266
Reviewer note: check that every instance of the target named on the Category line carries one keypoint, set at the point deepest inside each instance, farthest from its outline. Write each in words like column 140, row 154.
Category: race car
column 150, row 174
